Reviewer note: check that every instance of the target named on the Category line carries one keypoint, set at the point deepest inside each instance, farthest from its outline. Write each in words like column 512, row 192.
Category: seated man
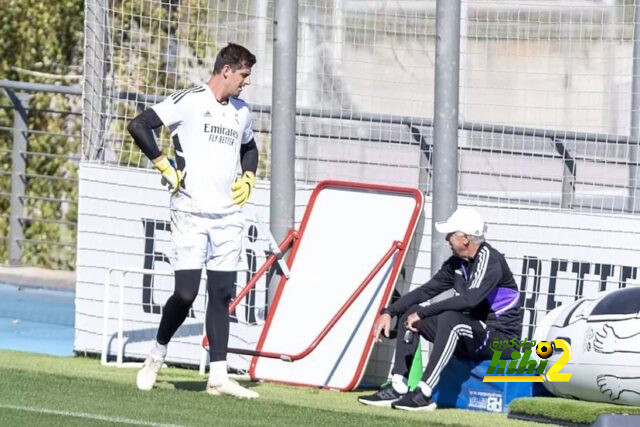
column 485, row 306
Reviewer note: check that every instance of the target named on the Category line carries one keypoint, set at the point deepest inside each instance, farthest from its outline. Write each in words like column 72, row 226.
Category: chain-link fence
column 545, row 90
column 545, row 100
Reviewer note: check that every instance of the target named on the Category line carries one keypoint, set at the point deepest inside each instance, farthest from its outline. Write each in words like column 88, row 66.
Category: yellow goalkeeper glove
column 170, row 176
column 241, row 188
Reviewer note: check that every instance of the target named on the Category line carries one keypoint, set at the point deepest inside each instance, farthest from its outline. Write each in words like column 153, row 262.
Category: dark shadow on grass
column 201, row 385
column 189, row 385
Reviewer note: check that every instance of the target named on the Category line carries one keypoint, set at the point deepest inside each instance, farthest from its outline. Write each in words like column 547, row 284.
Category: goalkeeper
column 211, row 130
column 485, row 306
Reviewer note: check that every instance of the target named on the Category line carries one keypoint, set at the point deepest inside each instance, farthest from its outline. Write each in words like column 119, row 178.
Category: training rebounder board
column 346, row 230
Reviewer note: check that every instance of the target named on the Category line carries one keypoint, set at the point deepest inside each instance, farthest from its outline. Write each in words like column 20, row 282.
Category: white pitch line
column 85, row 415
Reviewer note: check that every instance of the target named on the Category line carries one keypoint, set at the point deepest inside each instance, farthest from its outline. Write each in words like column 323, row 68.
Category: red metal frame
column 396, row 246
column 400, row 246
column 290, row 237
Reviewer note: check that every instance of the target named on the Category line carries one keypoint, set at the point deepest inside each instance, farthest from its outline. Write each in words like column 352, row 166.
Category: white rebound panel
column 346, row 230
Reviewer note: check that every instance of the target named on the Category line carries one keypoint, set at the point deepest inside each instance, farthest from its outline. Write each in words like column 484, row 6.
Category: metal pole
column 171, row 54
column 283, row 121
column 258, row 43
column 568, row 175
column 93, row 85
column 445, row 129
column 338, row 35
column 18, row 169
column 634, row 170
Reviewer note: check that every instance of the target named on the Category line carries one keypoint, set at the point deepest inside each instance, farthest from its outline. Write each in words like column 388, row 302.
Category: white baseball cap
column 464, row 219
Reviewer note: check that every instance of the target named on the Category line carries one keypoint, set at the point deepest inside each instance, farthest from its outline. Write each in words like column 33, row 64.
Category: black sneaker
column 415, row 401
column 383, row 397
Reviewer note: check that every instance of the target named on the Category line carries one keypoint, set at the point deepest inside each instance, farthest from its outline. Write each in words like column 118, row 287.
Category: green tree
column 41, row 42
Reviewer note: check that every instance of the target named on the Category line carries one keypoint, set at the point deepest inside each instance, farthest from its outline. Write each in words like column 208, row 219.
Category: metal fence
column 39, row 145
column 545, row 96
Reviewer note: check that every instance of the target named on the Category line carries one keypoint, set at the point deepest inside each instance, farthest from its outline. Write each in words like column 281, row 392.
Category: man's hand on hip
column 170, row 175
column 241, row 188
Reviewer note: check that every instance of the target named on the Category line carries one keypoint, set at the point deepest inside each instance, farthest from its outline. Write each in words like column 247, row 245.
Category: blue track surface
column 36, row 320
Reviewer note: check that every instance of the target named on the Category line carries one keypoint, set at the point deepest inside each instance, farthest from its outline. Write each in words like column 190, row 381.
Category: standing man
column 485, row 306
column 211, row 132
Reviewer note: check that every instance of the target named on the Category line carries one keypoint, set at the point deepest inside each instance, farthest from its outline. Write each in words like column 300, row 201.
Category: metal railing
column 419, row 131
column 37, row 232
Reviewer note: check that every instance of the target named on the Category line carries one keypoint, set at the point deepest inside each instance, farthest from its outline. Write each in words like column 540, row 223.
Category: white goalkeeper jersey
column 207, row 136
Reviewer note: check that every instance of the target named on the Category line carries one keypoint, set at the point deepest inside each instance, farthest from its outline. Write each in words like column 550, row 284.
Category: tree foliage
column 41, row 42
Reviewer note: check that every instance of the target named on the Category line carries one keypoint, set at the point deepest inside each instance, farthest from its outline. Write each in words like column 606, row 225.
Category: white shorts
column 212, row 240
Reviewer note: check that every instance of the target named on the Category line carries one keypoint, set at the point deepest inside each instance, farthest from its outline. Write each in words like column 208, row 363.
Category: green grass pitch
column 572, row 411
column 45, row 390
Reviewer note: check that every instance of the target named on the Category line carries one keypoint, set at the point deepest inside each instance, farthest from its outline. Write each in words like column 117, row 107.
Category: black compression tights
column 220, row 291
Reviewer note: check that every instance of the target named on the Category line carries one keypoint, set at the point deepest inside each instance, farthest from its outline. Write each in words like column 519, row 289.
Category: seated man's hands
column 241, row 188
column 170, row 175
column 383, row 323
column 412, row 321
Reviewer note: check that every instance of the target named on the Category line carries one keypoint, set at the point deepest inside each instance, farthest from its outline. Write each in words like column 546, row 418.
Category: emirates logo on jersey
column 220, row 134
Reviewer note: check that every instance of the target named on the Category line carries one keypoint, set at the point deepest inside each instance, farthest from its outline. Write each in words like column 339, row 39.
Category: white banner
column 123, row 222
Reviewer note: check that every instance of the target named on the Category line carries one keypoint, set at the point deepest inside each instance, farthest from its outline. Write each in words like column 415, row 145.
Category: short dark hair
column 235, row 56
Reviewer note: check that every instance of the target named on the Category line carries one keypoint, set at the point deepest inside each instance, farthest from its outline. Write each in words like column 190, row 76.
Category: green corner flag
column 415, row 372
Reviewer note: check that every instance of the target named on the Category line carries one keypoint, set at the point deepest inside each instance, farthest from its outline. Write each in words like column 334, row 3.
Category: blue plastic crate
column 461, row 387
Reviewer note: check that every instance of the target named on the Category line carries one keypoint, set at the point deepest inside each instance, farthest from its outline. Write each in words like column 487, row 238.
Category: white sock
column 218, row 372
column 399, row 383
column 425, row 389
column 159, row 352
